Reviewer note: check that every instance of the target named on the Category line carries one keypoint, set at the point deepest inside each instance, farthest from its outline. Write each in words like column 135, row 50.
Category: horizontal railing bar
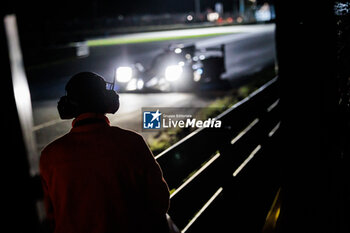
column 274, row 130
column 201, row 211
column 255, row 134
column 255, row 122
column 193, row 195
column 256, row 92
column 250, row 157
column 244, row 131
column 272, row 106
column 215, row 157
column 178, row 143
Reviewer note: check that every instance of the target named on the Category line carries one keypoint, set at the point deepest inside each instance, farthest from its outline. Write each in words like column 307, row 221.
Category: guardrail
column 223, row 169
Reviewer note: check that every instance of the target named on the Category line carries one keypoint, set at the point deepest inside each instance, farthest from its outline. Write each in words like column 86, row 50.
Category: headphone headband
column 87, row 92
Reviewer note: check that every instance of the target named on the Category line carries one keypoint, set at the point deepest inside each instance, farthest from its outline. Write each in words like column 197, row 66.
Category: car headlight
column 123, row 74
column 173, row 73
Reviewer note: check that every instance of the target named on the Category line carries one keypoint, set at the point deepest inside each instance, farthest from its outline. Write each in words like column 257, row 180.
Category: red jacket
column 99, row 178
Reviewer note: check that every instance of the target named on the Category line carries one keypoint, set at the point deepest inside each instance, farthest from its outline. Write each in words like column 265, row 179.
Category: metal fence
column 224, row 168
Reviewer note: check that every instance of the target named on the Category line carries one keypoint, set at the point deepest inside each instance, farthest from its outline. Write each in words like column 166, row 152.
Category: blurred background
column 224, row 45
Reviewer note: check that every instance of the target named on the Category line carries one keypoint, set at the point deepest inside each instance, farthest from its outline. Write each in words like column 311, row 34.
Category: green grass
column 168, row 137
column 116, row 41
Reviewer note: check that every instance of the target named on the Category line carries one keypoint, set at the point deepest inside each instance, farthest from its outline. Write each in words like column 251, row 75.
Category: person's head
column 86, row 92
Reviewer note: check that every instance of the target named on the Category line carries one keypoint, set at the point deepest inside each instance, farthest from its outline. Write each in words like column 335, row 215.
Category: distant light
column 139, row 84
column 181, row 63
column 201, row 57
column 178, row 50
column 197, row 75
column 264, row 13
column 173, row 73
column 239, row 19
column 124, row 74
column 189, row 17
column 341, row 8
column 132, row 85
column 213, row 16
column 152, row 82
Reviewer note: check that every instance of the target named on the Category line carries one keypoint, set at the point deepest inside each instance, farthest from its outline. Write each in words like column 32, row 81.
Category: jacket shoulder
column 50, row 150
column 126, row 133
column 54, row 144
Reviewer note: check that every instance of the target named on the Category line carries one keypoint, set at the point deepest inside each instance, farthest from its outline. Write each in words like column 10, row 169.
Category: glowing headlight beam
column 173, row 73
column 124, row 74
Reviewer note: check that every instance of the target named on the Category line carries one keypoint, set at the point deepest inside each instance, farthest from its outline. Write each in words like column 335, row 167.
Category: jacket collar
column 89, row 121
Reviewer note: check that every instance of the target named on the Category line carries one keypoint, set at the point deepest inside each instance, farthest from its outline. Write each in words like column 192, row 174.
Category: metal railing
column 212, row 165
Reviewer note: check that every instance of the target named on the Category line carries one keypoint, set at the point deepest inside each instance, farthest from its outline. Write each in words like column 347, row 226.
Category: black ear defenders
column 67, row 109
column 112, row 101
column 87, row 92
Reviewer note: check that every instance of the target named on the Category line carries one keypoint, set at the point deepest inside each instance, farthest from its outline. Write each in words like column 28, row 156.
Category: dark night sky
column 100, row 8
column 43, row 18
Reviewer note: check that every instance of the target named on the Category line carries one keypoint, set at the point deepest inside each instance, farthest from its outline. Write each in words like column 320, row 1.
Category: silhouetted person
column 98, row 178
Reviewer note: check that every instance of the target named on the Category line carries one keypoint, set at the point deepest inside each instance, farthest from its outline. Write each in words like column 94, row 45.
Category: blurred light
column 124, row 74
column 178, row 50
column 239, row 19
column 213, row 16
column 196, row 66
column 188, row 56
column 341, row 8
column 132, row 85
column 139, row 84
column 197, row 75
column 173, row 73
column 181, row 63
column 201, row 57
column 189, row 17
column 264, row 13
column 152, row 82
column 140, row 67
column 82, row 49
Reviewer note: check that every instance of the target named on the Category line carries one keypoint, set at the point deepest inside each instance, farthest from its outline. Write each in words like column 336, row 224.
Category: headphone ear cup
column 112, row 99
column 66, row 109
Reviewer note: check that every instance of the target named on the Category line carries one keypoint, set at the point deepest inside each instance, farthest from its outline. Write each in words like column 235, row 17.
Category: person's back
column 99, row 178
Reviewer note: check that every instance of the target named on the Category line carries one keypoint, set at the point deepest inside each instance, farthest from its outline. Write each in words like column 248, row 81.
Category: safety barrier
column 228, row 169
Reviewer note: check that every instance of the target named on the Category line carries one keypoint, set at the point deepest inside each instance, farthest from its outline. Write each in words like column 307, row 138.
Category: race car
column 178, row 68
